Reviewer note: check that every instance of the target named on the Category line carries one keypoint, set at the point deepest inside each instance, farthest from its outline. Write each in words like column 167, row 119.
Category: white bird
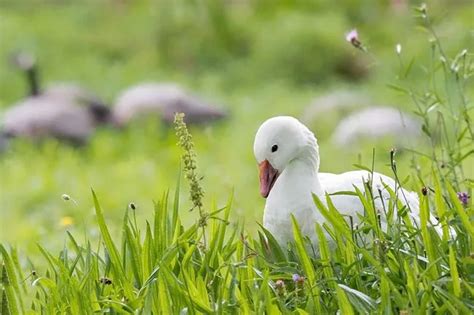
column 163, row 100
column 339, row 102
column 375, row 123
column 288, row 157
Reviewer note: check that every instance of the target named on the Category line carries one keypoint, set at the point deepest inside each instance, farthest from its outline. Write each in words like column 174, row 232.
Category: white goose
column 288, row 157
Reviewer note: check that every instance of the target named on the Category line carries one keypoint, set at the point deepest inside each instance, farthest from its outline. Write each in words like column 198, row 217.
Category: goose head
column 27, row 63
column 279, row 142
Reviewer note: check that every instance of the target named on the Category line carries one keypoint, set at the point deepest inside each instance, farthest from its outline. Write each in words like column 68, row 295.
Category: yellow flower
column 66, row 221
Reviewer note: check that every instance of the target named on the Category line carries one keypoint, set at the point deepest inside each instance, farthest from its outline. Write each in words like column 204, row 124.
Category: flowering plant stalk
column 185, row 141
column 444, row 107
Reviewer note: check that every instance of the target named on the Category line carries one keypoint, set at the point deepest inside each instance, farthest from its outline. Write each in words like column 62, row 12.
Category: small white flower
column 398, row 49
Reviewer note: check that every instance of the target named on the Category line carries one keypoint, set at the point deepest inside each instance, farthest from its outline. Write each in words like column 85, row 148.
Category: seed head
column 280, row 287
column 423, row 8
column 185, row 141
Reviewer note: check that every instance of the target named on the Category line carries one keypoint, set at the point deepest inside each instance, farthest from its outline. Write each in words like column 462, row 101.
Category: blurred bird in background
column 64, row 111
column 163, row 100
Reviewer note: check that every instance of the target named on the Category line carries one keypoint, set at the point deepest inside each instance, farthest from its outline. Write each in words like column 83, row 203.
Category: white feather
column 297, row 161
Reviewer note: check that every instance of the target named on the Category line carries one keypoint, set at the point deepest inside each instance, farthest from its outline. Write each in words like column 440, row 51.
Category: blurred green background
column 256, row 58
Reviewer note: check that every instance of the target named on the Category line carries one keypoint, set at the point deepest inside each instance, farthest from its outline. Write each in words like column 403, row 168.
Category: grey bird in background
column 359, row 119
column 339, row 101
column 375, row 123
column 163, row 100
column 64, row 111
column 3, row 142
column 63, row 91
column 38, row 118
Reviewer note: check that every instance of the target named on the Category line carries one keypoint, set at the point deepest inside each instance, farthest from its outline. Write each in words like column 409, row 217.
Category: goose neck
column 302, row 173
column 32, row 76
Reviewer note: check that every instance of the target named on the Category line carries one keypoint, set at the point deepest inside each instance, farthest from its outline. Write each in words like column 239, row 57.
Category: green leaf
column 10, row 284
column 454, row 272
column 273, row 247
column 302, row 253
column 344, row 193
column 361, row 301
column 409, row 67
column 333, row 216
column 325, row 255
column 135, row 255
column 430, row 251
column 343, row 302
column 306, row 263
column 398, row 88
column 363, row 167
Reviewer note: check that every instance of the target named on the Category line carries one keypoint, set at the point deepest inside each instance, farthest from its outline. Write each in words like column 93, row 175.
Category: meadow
column 134, row 246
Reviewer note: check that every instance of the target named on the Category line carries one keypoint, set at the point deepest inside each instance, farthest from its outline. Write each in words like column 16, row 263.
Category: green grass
column 108, row 46
column 83, row 256
column 166, row 268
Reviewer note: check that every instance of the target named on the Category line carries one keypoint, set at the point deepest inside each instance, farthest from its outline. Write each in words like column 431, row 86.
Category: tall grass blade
column 119, row 272
column 10, row 284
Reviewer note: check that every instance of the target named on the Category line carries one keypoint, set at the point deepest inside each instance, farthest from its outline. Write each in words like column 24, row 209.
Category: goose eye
column 274, row 148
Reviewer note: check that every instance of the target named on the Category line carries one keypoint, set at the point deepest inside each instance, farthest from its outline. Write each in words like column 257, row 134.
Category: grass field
column 258, row 59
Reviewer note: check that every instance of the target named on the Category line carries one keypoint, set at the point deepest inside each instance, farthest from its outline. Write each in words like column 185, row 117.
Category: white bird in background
column 375, row 123
column 162, row 100
column 288, row 157
column 340, row 102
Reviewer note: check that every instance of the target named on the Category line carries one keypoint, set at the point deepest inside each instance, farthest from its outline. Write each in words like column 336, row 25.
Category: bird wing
column 349, row 181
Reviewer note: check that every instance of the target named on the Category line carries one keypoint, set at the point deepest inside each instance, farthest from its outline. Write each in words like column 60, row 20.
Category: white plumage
column 288, row 156
column 375, row 123
column 339, row 101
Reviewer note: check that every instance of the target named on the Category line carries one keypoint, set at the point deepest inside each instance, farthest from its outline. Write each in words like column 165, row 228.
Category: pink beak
column 268, row 176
